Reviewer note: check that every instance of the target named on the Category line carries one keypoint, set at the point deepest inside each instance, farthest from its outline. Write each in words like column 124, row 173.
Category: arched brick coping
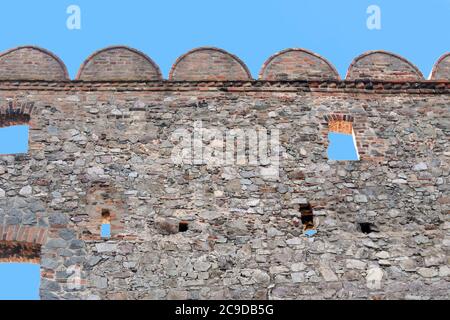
column 31, row 63
column 441, row 70
column 382, row 65
column 102, row 197
column 297, row 64
column 207, row 63
column 119, row 63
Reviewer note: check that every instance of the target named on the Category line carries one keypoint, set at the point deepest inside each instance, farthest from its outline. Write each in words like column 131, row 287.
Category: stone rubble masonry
column 104, row 142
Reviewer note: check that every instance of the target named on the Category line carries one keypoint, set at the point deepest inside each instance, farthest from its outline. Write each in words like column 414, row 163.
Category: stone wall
column 383, row 222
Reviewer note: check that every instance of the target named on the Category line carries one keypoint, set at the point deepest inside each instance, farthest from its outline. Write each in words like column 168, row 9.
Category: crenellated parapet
column 124, row 64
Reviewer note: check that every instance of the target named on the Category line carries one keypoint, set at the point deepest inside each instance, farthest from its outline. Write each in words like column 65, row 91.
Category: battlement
column 122, row 64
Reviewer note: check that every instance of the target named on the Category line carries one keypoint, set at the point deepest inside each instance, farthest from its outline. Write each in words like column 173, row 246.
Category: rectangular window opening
column 106, row 224
column 367, row 227
column 342, row 141
column 14, row 140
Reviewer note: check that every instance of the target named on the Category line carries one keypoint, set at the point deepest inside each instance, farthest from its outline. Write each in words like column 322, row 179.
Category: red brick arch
column 19, row 243
column 21, row 233
column 383, row 65
column 15, row 113
column 32, row 63
column 119, row 63
column 441, row 70
column 209, row 64
column 297, row 64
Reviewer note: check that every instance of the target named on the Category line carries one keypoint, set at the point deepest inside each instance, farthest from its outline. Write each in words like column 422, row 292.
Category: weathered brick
column 441, row 70
column 118, row 64
column 209, row 64
column 381, row 65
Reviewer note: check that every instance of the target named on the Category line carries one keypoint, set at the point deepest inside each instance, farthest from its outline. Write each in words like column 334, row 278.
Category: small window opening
column 183, row 226
column 106, row 224
column 14, row 139
column 367, row 227
column 307, row 218
column 342, row 139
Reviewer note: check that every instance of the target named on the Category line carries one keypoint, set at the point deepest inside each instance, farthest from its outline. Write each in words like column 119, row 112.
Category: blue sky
column 252, row 29
column 19, row 281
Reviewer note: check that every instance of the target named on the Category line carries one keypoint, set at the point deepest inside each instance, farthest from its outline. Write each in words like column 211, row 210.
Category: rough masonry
column 101, row 145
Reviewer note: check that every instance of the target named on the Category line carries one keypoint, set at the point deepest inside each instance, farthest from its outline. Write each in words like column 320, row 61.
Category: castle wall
column 110, row 146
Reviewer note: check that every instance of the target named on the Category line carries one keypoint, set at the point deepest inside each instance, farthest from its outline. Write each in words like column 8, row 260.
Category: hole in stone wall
column 367, row 227
column 105, row 231
column 183, row 226
column 307, row 218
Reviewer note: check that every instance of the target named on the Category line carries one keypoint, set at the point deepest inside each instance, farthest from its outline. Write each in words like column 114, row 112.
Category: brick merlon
column 383, row 65
column 209, row 63
column 119, row 63
column 441, row 70
column 32, row 63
